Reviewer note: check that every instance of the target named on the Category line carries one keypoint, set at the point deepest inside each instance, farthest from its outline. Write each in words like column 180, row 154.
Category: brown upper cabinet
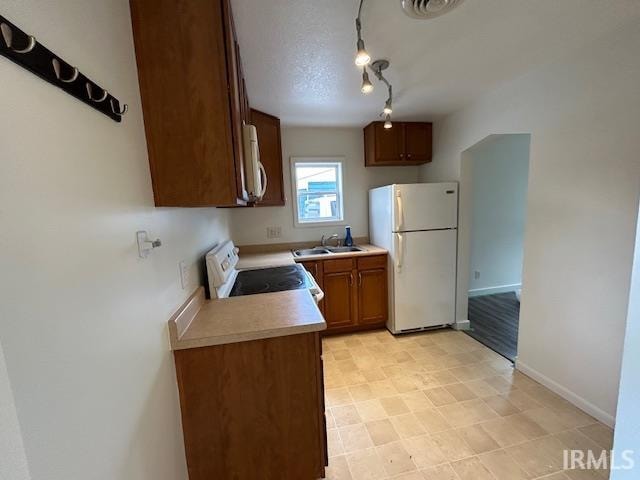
column 270, row 145
column 406, row 143
column 194, row 101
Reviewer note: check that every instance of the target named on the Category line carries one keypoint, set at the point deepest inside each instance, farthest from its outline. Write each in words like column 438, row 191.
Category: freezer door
column 425, row 206
column 424, row 279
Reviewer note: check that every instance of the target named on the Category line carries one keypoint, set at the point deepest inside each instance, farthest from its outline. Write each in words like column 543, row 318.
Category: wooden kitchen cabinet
column 406, row 143
column 383, row 145
column 194, row 101
column 355, row 291
column 270, row 145
column 254, row 409
column 340, row 296
column 372, row 297
column 417, row 142
column 372, row 290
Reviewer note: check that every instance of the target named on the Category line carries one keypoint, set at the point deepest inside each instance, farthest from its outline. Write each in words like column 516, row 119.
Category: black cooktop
column 265, row 280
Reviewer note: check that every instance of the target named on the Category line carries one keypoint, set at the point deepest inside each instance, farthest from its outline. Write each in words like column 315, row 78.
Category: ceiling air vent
column 426, row 9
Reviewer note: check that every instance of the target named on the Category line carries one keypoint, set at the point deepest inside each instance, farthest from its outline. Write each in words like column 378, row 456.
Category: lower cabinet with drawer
column 355, row 291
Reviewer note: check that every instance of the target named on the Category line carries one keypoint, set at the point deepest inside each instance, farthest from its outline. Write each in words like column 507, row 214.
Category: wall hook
column 105, row 94
column 7, row 35
column 145, row 246
column 57, row 69
column 124, row 110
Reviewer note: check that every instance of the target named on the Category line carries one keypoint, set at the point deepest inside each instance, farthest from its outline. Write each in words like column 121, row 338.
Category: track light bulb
column 367, row 86
column 387, row 108
column 387, row 122
column 362, row 57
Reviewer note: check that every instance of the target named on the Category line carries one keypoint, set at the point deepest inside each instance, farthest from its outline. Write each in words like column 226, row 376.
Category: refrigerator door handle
column 399, row 211
column 400, row 250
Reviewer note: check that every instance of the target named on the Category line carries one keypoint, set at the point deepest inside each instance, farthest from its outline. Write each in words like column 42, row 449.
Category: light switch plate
column 274, row 232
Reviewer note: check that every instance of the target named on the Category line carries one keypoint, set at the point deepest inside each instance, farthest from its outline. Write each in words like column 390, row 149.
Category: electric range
column 225, row 280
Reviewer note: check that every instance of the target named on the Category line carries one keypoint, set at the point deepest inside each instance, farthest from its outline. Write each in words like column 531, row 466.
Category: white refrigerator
column 417, row 224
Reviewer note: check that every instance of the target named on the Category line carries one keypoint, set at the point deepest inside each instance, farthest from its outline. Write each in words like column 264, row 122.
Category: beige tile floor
column 441, row 406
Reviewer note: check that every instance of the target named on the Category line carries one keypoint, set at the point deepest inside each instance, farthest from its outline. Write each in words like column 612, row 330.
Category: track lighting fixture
column 362, row 57
column 387, row 107
column 367, row 86
column 424, row 9
column 363, row 60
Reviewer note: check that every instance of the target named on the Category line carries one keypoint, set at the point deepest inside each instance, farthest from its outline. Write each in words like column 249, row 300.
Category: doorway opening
column 494, row 177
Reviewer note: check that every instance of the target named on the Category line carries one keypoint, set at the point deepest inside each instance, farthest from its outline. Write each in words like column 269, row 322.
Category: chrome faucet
column 323, row 240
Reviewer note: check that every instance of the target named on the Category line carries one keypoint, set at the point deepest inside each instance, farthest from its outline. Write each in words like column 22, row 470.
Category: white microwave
column 255, row 176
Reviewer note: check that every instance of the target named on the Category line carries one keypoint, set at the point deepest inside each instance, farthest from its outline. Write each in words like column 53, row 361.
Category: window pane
column 318, row 206
column 318, row 192
column 311, row 178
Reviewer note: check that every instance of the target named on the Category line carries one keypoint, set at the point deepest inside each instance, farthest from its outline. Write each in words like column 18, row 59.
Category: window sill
column 329, row 223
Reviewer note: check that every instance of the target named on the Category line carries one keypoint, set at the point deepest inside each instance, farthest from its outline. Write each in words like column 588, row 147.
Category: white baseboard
column 497, row 289
column 461, row 325
column 567, row 394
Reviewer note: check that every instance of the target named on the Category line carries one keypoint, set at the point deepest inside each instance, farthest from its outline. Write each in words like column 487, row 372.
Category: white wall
column 499, row 176
column 250, row 224
column 583, row 113
column 82, row 319
column 13, row 465
column 627, row 434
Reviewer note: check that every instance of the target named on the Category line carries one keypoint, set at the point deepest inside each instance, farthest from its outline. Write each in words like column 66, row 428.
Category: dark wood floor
column 494, row 322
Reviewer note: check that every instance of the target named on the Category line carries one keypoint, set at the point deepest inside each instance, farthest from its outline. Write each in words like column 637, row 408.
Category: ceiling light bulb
column 387, row 122
column 362, row 57
column 367, row 86
column 387, row 108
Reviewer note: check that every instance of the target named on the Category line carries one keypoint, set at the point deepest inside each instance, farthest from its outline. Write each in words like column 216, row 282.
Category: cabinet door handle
column 360, row 279
column 351, row 279
column 315, row 270
column 409, row 155
column 402, row 155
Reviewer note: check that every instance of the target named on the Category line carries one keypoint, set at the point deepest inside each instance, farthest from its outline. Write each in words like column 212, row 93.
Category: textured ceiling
column 298, row 54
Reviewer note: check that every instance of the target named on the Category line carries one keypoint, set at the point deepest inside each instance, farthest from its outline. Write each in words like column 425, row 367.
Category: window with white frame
column 317, row 191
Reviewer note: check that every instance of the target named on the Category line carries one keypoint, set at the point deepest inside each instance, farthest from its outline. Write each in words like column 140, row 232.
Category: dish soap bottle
column 348, row 239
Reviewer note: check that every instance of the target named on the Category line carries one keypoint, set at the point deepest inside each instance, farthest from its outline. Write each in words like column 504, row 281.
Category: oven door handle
column 315, row 290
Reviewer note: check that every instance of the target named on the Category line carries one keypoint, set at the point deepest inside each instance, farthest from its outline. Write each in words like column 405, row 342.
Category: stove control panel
column 221, row 262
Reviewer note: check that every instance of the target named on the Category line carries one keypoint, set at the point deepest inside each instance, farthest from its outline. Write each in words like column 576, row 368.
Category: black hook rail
column 25, row 50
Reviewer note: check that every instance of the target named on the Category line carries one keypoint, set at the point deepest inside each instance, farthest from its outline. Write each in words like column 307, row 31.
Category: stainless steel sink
column 344, row 249
column 307, row 252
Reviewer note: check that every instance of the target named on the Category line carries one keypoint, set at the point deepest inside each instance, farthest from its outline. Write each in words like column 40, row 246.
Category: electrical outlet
column 476, row 275
column 184, row 274
column 274, row 232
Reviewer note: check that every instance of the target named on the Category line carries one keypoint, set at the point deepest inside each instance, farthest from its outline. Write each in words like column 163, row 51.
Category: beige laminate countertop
column 245, row 318
column 202, row 323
